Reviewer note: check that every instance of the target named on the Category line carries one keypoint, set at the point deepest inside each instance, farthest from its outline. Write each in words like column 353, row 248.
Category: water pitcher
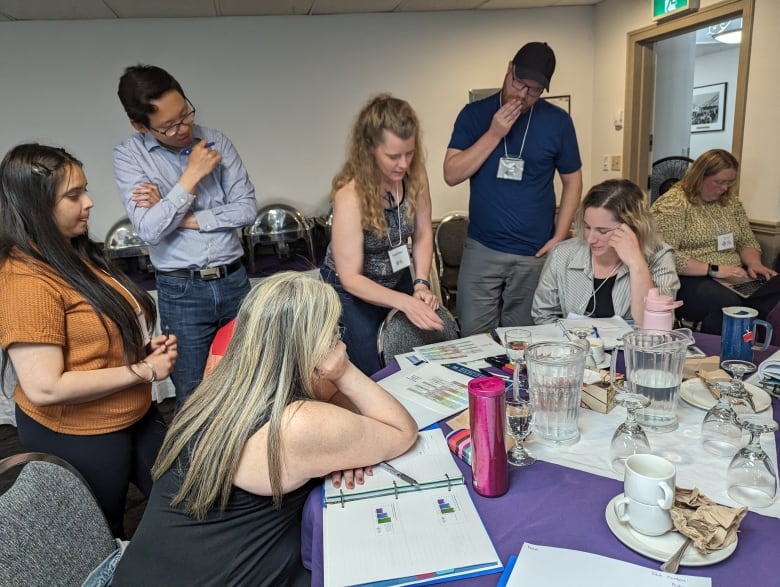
column 555, row 373
column 654, row 362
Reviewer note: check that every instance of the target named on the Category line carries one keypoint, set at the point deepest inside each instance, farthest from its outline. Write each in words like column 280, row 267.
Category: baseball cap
column 535, row 61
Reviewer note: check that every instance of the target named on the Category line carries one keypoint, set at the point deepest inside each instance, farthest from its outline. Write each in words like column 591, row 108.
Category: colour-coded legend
column 382, row 517
column 445, row 507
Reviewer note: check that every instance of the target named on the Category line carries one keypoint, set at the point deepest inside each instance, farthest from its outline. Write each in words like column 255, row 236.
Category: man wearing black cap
column 509, row 147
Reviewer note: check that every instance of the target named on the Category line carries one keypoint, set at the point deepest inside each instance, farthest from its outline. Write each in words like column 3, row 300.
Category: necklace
column 596, row 290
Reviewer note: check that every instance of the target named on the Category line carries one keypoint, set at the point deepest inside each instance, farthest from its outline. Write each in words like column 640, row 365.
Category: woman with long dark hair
column 76, row 331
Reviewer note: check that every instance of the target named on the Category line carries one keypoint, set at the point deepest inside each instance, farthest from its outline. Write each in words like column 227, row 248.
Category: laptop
column 751, row 288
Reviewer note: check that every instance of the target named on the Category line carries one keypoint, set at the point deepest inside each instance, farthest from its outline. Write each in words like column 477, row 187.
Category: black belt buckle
column 210, row 273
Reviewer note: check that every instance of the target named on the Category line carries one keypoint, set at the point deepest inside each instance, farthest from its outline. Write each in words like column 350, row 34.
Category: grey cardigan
column 566, row 283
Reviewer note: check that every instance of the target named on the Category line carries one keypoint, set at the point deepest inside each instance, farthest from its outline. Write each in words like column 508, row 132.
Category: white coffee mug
column 649, row 480
column 651, row 520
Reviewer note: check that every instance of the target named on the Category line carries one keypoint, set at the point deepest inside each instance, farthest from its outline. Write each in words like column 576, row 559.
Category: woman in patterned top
column 612, row 262
column 703, row 219
column 381, row 199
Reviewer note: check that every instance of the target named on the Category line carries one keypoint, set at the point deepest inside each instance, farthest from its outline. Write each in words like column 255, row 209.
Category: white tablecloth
column 695, row 466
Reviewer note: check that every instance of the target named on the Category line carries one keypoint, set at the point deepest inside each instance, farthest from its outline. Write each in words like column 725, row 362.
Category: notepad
column 429, row 462
column 410, row 536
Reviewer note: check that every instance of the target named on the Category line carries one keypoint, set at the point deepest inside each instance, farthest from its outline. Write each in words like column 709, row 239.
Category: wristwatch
column 713, row 270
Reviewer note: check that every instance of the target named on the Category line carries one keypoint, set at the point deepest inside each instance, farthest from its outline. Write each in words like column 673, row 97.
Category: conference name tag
column 725, row 241
column 399, row 257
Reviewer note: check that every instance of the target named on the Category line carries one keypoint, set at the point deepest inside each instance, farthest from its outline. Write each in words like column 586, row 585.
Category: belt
column 206, row 274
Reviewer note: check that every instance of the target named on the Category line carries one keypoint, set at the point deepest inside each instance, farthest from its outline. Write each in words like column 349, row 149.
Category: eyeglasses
column 342, row 330
column 171, row 130
column 520, row 85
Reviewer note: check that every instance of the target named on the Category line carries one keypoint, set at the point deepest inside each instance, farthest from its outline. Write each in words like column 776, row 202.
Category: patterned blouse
column 693, row 229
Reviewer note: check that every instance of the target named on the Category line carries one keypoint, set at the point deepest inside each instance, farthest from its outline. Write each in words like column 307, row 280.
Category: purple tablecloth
column 553, row 505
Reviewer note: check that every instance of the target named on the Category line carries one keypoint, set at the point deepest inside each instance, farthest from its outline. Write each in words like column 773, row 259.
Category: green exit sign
column 668, row 8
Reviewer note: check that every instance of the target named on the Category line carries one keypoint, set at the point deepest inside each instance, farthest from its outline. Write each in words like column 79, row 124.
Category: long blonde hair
column 285, row 327
column 382, row 112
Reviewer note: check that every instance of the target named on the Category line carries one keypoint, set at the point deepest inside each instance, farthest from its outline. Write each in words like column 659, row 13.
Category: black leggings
column 704, row 298
column 109, row 462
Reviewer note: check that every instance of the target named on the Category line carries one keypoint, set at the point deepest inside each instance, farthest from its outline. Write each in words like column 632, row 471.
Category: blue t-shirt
column 517, row 217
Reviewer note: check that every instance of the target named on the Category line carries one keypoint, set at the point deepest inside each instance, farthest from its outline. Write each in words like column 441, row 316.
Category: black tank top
column 249, row 543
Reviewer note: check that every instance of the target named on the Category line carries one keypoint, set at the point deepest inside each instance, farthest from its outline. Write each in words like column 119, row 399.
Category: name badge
column 725, row 241
column 399, row 257
column 510, row 168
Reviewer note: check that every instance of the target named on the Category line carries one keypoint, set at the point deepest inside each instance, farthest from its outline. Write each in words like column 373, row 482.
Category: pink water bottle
column 659, row 311
column 487, row 419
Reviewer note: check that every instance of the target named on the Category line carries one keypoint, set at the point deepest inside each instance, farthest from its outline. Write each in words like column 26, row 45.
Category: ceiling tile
column 433, row 5
column 162, row 8
column 263, row 7
column 54, row 9
column 352, row 6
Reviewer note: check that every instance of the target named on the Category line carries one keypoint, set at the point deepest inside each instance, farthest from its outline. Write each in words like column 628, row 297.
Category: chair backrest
column 449, row 239
column 52, row 531
column 219, row 346
column 398, row 335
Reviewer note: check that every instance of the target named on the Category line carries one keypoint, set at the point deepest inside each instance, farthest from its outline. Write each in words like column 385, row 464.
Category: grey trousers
column 495, row 288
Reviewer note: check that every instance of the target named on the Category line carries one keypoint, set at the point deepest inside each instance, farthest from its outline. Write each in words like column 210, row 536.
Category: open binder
column 429, row 462
column 406, row 535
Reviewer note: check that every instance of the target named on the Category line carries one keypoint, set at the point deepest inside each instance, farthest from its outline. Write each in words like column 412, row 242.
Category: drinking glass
column 738, row 370
column 518, row 422
column 516, row 340
column 582, row 333
column 751, row 478
column 721, row 431
column 629, row 438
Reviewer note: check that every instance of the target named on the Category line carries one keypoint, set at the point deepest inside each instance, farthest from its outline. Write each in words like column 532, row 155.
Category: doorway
column 643, row 46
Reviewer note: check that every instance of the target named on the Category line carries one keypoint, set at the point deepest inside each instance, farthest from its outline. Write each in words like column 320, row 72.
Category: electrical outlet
column 605, row 163
column 616, row 162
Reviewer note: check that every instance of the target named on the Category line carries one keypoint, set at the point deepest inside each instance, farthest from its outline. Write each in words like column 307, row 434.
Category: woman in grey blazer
column 615, row 257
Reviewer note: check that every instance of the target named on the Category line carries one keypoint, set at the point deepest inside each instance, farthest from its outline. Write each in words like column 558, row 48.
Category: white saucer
column 694, row 392
column 660, row 548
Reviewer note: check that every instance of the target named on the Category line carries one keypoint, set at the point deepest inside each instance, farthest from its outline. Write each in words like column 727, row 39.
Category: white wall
column 285, row 89
column 760, row 173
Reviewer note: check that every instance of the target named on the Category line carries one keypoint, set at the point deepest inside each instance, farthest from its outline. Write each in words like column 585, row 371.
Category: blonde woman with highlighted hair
column 611, row 263
column 380, row 200
column 283, row 408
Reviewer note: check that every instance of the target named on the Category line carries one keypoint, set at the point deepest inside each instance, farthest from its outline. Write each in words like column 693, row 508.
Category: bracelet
column 424, row 282
column 152, row 379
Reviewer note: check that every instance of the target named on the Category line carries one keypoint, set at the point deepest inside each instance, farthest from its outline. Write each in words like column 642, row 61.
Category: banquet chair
column 449, row 239
column 397, row 335
column 53, row 532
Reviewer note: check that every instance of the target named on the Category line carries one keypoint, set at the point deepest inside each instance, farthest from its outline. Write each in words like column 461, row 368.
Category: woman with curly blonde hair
column 381, row 199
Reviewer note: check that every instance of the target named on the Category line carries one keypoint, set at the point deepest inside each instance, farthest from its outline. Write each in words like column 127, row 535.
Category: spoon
column 673, row 563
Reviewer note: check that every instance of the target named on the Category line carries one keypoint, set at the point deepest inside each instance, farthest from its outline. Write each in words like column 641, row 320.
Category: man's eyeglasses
column 520, row 85
column 185, row 120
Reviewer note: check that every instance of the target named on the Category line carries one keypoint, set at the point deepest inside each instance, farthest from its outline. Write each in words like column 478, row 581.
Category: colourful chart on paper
column 447, row 393
column 471, row 348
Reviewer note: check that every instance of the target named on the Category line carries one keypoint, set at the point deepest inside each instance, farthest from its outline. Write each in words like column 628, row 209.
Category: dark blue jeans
column 194, row 310
column 361, row 321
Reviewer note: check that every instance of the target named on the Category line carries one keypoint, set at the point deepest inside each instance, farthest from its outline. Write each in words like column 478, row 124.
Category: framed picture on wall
column 560, row 101
column 709, row 108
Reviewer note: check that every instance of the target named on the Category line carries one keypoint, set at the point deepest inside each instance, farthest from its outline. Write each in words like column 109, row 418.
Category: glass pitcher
column 654, row 361
column 555, row 372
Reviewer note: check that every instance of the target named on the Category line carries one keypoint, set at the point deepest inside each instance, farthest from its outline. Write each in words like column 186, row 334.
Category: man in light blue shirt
column 186, row 191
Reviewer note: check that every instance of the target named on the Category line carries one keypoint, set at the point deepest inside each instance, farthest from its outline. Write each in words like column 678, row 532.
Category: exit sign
column 668, row 8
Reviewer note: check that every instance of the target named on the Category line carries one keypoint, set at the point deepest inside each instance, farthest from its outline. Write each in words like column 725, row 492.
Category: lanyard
column 525, row 134
column 391, row 201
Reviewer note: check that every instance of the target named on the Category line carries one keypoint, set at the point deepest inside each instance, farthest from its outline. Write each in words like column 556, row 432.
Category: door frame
column 640, row 80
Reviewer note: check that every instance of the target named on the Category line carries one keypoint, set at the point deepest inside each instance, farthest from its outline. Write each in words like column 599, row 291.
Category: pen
column 494, row 374
column 396, row 473
column 595, row 331
column 559, row 322
column 208, row 145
